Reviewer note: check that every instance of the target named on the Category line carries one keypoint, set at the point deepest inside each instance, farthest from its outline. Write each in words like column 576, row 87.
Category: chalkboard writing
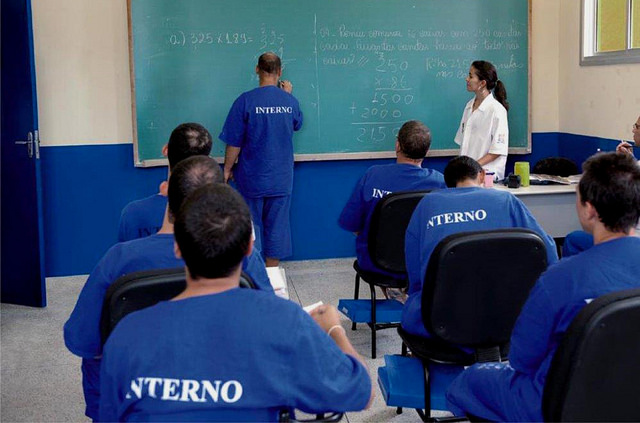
column 360, row 68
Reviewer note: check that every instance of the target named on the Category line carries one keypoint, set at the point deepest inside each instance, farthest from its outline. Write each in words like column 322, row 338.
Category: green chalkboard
column 360, row 68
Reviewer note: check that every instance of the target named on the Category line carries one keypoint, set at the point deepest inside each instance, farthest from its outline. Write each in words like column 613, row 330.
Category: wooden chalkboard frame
column 320, row 156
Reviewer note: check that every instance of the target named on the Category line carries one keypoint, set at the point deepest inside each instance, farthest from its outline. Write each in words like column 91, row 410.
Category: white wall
column 601, row 101
column 82, row 68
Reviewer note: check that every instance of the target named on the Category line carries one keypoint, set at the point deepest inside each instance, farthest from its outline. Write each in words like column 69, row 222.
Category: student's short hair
column 187, row 140
column 189, row 175
column 611, row 183
column 269, row 63
column 213, row 231
column 414, row 139
column 459, row 169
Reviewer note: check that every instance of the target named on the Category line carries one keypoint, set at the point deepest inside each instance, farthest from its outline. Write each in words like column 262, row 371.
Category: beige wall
column 601, row 101
column 82, row 71
column 82, row 66
column 545, row 71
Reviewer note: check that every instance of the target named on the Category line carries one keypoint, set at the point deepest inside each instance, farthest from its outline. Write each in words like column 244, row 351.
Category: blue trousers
column 272, row 226
column 496, row 392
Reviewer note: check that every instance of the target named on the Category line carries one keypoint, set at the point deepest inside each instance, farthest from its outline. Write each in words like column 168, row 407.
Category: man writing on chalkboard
column 259, row 134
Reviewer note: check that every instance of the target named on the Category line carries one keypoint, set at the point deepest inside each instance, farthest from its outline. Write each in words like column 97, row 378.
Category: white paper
column 312, row 307
column 278, row 280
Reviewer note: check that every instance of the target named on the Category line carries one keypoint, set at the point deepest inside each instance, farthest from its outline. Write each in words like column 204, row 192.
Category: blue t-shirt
column 142, row 217
column 515, row 392
column 451, row 211
column 82, row 330
column 261, row 122
column 239, row 350
column 377, row 182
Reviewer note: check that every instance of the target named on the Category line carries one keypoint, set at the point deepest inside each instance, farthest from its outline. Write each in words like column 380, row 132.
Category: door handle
column 29, row 144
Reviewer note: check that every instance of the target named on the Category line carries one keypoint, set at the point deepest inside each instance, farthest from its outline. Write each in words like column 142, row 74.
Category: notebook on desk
column 278, row 280
column 542, row 179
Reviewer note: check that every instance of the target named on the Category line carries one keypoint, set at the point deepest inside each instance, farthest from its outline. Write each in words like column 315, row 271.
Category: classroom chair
column 387, row 228
column 475, row 285
column 138, row 290
column 596, row 368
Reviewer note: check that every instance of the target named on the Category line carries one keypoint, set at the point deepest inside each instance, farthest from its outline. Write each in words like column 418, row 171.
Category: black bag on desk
column 513, row 180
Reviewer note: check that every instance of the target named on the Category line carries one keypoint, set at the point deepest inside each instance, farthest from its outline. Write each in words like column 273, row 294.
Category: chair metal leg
column 425, row 415
column 356, row 294
column 427, row 392
column 373, row 321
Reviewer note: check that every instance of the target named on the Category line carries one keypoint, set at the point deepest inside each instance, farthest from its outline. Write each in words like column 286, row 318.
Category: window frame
column 588, row 39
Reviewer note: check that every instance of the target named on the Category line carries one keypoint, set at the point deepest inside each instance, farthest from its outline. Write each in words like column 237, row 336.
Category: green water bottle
column 522, row 169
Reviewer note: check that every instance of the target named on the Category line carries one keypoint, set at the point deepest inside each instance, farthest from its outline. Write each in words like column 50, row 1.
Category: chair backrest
column 477, row 282
column 558, row 166
column 595, row 371
column 387, row 227
column 138, row 290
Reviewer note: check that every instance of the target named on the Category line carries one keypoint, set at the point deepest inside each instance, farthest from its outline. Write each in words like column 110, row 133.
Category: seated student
column 468, row 207
column 608, row 206
column 82, row 330
column 406, row 174
column 249, row 355
column 578, row 241
column 143, row 217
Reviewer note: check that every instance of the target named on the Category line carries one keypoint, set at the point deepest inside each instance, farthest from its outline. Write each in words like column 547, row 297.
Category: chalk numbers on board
column 197, row 38
column 271, row 40
column 379, row 121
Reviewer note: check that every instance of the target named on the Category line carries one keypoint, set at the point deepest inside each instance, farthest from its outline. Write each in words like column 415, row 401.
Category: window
column 610, row 32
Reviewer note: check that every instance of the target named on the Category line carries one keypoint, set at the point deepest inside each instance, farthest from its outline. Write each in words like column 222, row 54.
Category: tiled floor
column 40, row 379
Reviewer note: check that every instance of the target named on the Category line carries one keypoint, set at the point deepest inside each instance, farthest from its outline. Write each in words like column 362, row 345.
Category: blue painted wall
column 85, row 187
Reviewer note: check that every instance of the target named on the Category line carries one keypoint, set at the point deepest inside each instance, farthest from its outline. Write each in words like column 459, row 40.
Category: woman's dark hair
column 487, row 72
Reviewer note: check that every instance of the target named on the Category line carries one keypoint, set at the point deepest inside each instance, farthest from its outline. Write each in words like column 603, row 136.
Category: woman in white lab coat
column 484, row 129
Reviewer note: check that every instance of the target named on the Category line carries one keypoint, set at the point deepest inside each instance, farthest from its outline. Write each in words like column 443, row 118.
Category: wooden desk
column 554, row 206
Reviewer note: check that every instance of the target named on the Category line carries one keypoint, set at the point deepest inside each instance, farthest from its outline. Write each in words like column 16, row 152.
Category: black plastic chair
column 387, row 229
column 475, row 286
column 595, row 370
column 138, row 290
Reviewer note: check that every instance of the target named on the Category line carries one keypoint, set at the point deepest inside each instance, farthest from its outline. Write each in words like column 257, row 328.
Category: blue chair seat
column 402, row 382
column 359, row 311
